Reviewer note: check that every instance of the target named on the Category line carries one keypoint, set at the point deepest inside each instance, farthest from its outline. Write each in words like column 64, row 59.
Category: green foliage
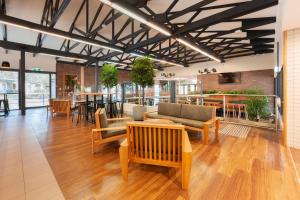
column 233, row 92
column 143, row 72
column 257, row 106
column 110, row 75
column 211, row 92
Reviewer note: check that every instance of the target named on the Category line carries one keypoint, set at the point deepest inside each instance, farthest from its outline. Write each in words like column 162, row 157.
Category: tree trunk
column 143, row 103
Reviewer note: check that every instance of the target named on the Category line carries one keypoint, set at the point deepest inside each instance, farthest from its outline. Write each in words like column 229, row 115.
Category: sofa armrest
column 211, row 121
column 108, row 129
column 187, row 148
column 151, row 112
column 118, row 119
column 124, row 143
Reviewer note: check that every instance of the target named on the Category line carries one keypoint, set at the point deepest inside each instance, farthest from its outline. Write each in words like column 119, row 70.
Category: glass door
column 37, row 91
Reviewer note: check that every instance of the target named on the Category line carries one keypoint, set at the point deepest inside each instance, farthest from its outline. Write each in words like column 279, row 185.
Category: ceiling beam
column 53, row 19
column 52, row 31
column 34, row 49
column 238, row 11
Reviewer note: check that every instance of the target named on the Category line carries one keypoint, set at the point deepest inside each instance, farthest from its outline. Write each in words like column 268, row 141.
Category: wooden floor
column 296, row 157
column 254, row 168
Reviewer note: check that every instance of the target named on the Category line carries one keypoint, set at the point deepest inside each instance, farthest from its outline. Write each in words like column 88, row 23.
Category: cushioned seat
column 194, row 117
column 157, row 116
column 107, row 134
column 191, row 122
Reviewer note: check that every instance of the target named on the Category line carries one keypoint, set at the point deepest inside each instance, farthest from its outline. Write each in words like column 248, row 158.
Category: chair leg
column 123, row 152
column 186, row 169
column 217, row 129
column 205, row 133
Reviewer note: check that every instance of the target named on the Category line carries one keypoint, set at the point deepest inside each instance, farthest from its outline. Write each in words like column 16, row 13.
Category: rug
column 235, row 130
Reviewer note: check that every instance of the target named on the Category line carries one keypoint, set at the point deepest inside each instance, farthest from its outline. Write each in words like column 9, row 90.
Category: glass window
column 9, row 83
column 53, row 85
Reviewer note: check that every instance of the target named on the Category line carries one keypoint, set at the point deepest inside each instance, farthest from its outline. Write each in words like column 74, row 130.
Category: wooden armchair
column 157, row 144
column 106, row 132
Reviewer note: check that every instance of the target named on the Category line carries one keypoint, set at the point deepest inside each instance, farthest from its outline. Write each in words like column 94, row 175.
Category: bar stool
column 231, row 108
column 242, row 110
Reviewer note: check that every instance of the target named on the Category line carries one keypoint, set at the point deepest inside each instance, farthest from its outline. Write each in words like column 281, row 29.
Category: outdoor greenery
column 110, row 76
column 257, row 106
column 143, row 73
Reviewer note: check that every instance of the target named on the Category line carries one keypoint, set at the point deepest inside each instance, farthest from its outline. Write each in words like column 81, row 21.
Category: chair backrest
column 61, row 105
column 101, row 118
column 158, row 144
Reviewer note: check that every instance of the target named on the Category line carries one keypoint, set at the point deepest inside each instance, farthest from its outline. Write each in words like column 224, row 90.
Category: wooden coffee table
column 159, row 121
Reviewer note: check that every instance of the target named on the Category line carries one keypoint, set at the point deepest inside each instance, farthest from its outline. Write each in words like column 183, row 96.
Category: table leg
column 95, row 105
column 86, row 108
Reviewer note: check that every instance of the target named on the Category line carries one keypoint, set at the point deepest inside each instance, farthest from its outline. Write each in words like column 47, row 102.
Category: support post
column 22, row 83
column 123, row 98
column 172, row 91
column 97, row 77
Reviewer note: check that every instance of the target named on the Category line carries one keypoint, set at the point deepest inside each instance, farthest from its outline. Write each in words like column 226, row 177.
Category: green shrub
column 143, row 73
column 110, row 75
column 257, row 107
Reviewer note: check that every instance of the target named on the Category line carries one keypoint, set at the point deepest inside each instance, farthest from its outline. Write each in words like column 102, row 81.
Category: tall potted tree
column 143, row 75
column 110, row 76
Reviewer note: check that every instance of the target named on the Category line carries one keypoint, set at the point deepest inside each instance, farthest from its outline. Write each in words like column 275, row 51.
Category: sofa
column 195, row 118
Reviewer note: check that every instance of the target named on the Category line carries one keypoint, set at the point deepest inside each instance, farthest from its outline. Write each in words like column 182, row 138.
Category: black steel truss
column 130, row 39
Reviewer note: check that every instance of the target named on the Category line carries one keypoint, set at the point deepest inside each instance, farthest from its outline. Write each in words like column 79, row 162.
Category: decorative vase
column 138, row 112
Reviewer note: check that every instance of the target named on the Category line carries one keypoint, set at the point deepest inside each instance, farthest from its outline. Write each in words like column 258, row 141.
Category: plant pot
column 138, row 112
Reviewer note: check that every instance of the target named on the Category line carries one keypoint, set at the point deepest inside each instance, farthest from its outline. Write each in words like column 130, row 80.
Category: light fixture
column 158, row 60
column 58, row 35
column 5, row 64
column 64, row 57
column 136, row 17
column 168, row 75
column 186, row 43
column 207, row 71
column 156, row 27
column 116, row 63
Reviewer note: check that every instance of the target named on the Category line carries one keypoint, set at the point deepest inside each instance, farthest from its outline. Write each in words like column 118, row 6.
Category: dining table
column 94, row 95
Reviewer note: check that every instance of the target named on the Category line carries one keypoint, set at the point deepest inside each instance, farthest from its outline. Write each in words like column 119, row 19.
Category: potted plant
column 110, row 76
column 257, row 106
column 143, row 75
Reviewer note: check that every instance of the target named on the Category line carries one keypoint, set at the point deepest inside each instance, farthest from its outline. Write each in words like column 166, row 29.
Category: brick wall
column 262, row 79
column 89, row 76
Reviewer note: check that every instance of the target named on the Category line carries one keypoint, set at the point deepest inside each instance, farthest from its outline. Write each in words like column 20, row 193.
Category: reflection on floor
column 296, row 157
column 24, row 170
column 257, row 167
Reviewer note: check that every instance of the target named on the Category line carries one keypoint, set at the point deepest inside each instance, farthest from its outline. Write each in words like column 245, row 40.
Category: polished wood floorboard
column 254, row 168
column 296, row 157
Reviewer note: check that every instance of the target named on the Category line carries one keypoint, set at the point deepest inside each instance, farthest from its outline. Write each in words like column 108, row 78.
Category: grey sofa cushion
column 169, row 109
column 157, row 116
column 200, row 113
column 191, row 122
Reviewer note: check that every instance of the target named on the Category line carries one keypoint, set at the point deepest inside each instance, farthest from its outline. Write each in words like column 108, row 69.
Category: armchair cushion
column 169, row 109
column 103, row 119
column 107, row 134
